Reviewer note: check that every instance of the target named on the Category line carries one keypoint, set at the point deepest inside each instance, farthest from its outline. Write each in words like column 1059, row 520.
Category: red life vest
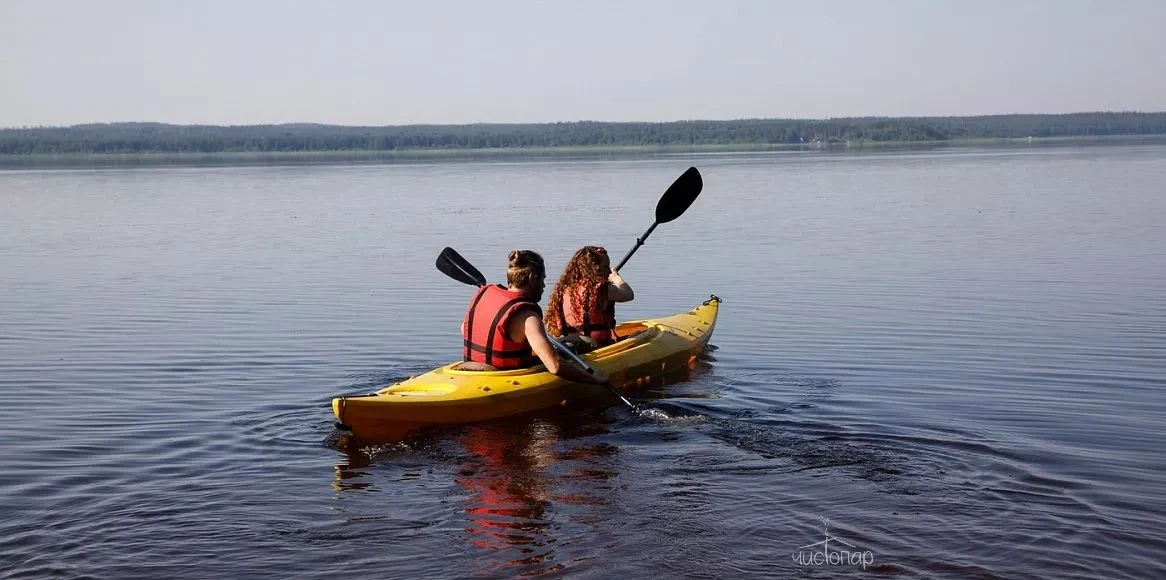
column 484, row 336
column 597, row 323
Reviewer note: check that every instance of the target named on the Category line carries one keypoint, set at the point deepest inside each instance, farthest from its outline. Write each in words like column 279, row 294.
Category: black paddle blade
column 679, row 196
column 452, row 264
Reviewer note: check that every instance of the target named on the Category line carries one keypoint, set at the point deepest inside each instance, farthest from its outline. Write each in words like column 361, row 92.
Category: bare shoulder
column 523, row 323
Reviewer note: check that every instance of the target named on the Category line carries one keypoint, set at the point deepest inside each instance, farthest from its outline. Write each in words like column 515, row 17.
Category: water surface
column 953, row 359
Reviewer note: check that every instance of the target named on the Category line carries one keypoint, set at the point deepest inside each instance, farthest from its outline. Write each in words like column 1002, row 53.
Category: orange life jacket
column 484, row 336
column 596, row 323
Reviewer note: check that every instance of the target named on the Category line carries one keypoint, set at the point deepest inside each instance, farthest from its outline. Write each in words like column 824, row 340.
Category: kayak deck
column 651, row 350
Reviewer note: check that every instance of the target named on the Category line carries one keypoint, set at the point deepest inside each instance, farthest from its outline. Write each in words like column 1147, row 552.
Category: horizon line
column 579, row 121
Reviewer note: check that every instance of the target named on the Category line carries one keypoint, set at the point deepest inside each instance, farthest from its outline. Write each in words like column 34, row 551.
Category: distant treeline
column 163, row 138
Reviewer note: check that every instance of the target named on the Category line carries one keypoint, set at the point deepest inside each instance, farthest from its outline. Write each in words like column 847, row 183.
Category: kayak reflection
column 529, row 489
column 508, row 484
column 529, row 484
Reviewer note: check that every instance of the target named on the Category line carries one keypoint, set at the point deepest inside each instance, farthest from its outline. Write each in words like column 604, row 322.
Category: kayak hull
column 652, row 351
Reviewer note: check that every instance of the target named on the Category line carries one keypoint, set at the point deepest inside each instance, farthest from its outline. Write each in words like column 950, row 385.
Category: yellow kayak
column 648, row 351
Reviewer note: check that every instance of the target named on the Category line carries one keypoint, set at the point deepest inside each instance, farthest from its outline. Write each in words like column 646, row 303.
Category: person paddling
column 503, row 327
column 582, row 305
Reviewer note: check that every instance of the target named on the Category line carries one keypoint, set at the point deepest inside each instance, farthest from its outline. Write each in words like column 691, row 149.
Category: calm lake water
column 956, row 358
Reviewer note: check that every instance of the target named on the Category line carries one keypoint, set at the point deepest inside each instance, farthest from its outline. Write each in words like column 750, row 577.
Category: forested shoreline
column 147, row 138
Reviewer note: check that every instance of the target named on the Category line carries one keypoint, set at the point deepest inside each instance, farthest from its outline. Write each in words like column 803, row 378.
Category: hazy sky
column 382, row 62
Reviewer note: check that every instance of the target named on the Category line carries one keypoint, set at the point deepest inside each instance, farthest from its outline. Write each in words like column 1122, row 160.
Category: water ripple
column 952, row 360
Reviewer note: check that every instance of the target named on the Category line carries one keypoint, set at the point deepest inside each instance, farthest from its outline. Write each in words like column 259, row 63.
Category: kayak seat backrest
column 474, row 366
column 634, row 335
column 627, row 330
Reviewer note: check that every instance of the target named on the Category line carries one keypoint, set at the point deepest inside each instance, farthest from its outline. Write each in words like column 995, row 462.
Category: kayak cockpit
column 633, row 334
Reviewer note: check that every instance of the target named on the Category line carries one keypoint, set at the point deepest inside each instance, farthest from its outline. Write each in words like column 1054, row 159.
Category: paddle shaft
column 639, row 242
column 672, row 205
column 586, row 367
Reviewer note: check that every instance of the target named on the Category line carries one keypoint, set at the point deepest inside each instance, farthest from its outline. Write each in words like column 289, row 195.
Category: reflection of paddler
column 509, row 489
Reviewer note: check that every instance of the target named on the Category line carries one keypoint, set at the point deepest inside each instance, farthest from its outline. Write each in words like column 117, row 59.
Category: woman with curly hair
column 583, row 302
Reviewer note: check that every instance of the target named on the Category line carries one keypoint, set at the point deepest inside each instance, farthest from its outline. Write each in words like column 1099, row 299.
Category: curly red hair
column 587, row 268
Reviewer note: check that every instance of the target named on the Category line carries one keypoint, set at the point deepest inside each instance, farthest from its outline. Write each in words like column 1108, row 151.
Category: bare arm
column 618, row 289
column 532, row 327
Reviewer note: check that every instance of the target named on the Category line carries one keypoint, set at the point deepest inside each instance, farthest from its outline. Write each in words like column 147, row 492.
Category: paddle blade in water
column 679, row 196
column 452, row 264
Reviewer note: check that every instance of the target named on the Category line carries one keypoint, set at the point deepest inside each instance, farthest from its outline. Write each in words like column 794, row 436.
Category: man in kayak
column 582, row 306
column 503, row 328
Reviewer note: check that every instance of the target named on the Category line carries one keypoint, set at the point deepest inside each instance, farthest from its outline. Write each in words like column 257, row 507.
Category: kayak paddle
column 672, row 205
column 452, row 264
column 591, row 371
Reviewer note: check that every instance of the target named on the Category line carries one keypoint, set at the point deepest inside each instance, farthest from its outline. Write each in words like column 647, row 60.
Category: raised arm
column 618, row 289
